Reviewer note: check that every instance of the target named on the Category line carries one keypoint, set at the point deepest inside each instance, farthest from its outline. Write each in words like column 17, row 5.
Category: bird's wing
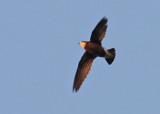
column 82, row 70
column 99, row 31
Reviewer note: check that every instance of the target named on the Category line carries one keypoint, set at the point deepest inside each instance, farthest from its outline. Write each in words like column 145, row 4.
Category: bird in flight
column 93, row 49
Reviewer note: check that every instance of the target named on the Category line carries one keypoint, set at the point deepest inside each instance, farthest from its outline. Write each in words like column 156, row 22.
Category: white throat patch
column 83, row 44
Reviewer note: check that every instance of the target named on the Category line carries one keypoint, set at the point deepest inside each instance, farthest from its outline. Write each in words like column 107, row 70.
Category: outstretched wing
column 99, row 31
column 82, row 70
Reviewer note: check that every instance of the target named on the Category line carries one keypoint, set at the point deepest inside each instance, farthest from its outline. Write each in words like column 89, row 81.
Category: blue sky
column 39, row 54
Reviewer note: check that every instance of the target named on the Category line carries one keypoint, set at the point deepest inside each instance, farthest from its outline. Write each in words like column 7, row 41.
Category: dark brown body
column 95, row 49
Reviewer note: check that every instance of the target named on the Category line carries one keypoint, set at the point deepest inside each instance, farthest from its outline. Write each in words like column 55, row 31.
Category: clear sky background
column 39, row 54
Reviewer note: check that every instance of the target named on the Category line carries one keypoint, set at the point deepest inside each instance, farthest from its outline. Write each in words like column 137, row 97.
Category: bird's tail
column 111, row 59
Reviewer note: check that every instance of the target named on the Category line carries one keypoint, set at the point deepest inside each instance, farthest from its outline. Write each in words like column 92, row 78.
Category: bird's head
column 83, row 44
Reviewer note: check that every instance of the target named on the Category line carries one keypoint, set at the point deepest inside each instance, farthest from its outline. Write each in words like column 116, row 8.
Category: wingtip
column 105, row 18
column 74, row 90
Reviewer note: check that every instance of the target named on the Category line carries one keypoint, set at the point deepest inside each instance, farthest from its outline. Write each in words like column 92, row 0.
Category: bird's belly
column 96, row 51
